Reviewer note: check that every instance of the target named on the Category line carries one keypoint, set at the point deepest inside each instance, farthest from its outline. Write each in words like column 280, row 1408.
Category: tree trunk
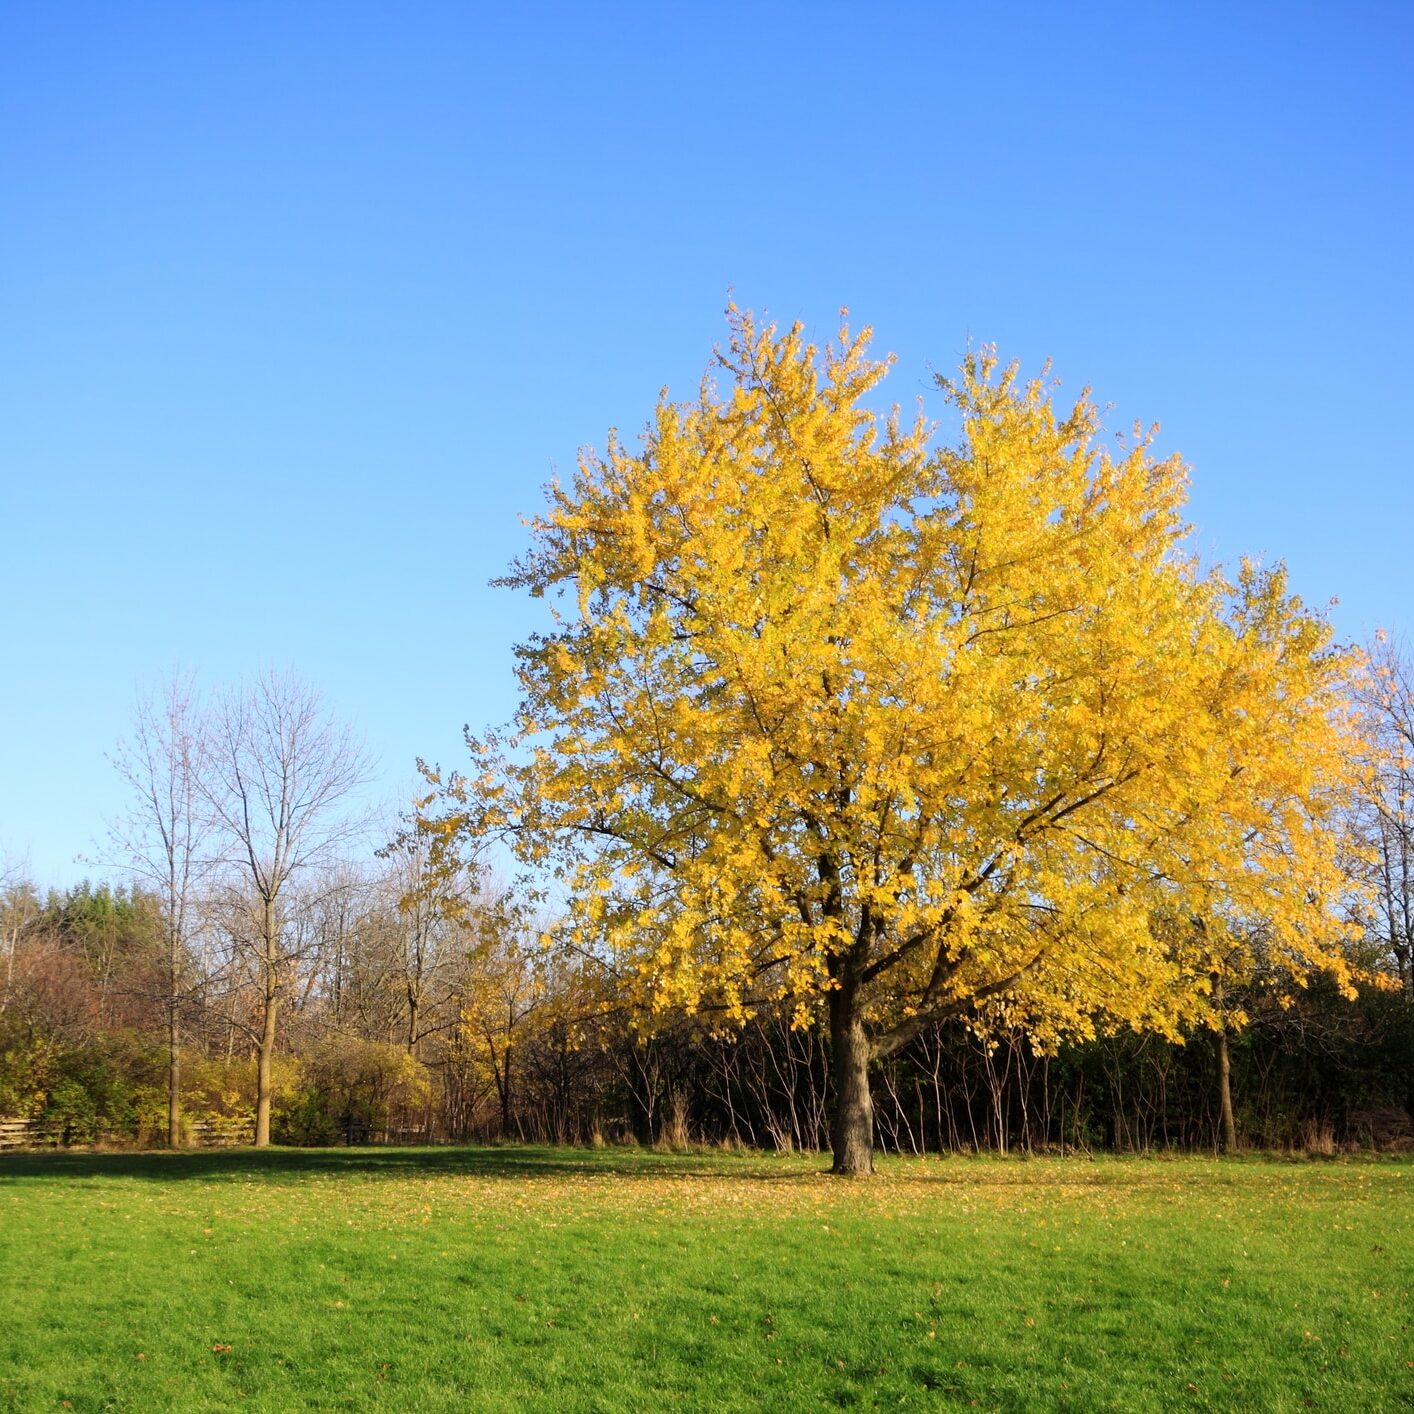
column 12, row 937
column 852, row 1134
column 174, row 1077
column 1225, row 1094
column 262, row 1075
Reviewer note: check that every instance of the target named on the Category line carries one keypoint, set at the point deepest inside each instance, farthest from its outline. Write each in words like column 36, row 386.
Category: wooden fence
column 30, row 1134
column 225, row 1133
column 222, row 1133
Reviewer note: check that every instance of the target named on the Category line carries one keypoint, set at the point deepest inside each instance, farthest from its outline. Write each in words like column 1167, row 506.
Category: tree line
column 863, row 790
column 512, row 1044
column 418, row 997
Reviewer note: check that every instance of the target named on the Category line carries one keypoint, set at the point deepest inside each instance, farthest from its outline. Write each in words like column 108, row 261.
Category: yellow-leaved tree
column 889, row 732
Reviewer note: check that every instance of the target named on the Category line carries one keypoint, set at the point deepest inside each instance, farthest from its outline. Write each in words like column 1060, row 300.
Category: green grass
column 507, row 1279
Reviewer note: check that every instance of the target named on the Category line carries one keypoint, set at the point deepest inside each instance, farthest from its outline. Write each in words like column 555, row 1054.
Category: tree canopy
column 899, row 730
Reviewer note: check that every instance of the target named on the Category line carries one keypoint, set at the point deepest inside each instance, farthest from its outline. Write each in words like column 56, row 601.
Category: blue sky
column 300, row 305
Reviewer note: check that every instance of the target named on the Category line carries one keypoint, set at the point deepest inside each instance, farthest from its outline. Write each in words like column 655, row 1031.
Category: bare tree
column 1388, row 703
column 163, row 839
column 19, row 909
column 446, row 912
column 283, row 776
column 345, row 912
column 510, row 987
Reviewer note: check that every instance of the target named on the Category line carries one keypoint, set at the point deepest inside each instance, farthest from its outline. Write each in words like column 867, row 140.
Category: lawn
column 507, row 1279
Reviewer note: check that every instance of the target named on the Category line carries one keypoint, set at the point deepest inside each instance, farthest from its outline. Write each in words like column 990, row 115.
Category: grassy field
column 507, row 1279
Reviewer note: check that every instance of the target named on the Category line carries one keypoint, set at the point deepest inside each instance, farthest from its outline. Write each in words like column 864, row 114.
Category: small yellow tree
column 892, row 731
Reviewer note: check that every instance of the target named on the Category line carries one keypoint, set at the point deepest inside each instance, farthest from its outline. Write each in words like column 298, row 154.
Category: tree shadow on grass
column 526, row 1163
column 282, row 1165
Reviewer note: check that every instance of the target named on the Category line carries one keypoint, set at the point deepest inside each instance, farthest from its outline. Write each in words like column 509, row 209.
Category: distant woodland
column 863, row 792
column 417, row 1001
column 471, row 1033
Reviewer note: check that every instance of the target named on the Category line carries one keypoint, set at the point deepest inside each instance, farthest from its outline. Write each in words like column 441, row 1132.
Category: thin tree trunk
column 1225, row 1094
column 174, row 1076
column 262, row 1074
column 12, row 937
column 852, row 1135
